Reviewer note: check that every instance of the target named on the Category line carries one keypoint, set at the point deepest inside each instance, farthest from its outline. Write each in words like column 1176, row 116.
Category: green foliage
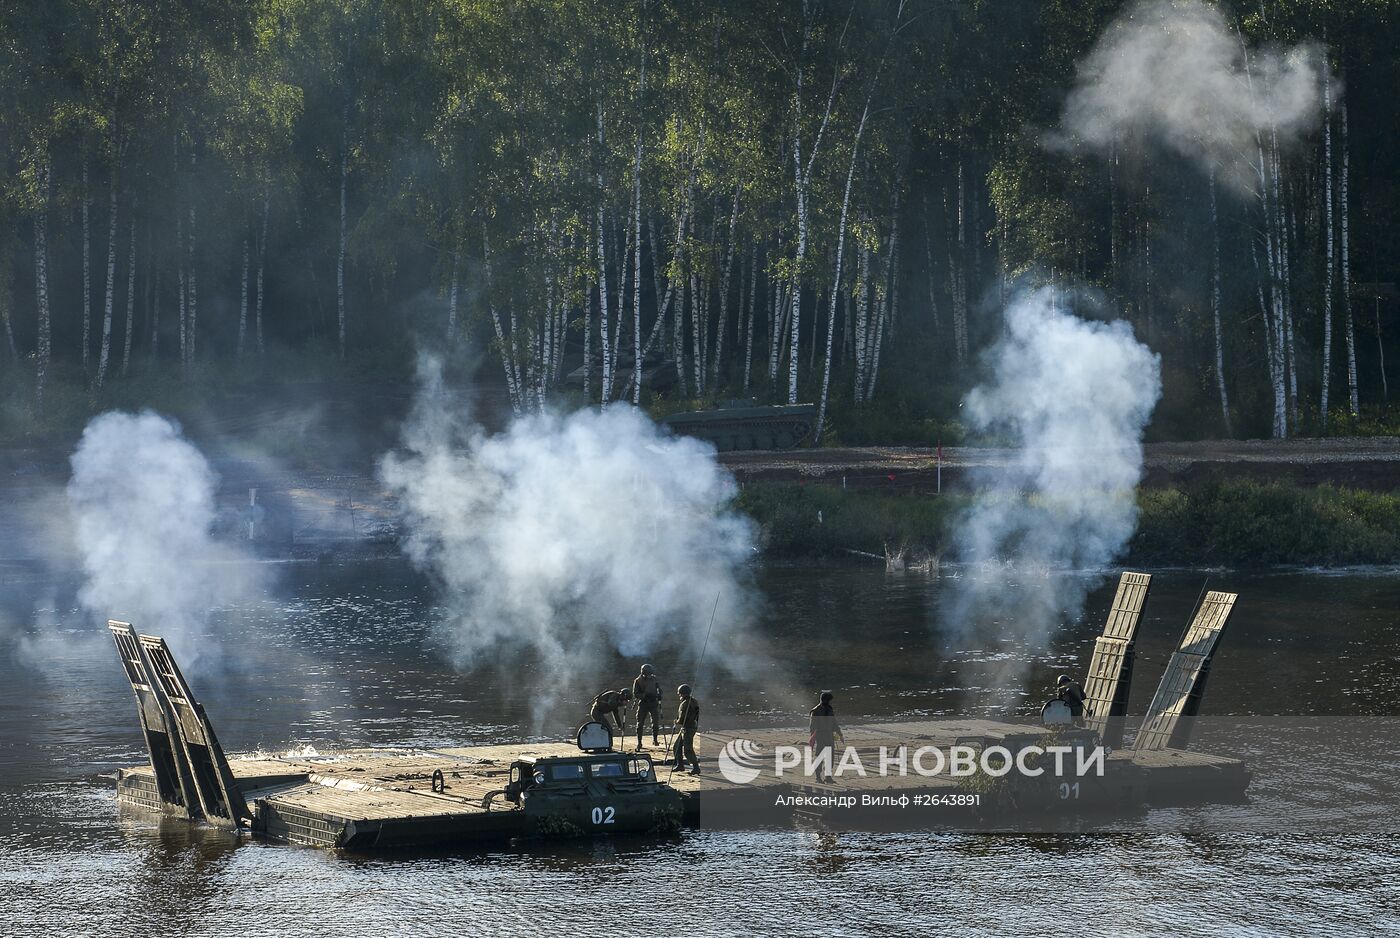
column 1247, row 523
column 1236, row 523
column 469, row 127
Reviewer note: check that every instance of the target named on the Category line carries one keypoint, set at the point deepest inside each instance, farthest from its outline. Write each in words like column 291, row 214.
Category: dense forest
column 787, row 201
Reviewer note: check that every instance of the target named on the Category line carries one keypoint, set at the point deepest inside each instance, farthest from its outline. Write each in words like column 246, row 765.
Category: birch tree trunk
column 889, row 304
column 928, row 264
column 624, row 274
column 753, row 310
column 106, row 347
column 678, row 323
column 960, row 336
column 452, row 303
column 154, row 292
column 1331, row 272
column 1380, row 349
column 130, row 291
column 87, row 266
column 1215, row 310
column 862, row 322
column 697, row 314
column 779, row 321
column 1343, row 195
column 344, row 230
column 192, row 290
column 637, row 266
column 802, row 177
column 723, row 325
column 507, row 360
column 41, row 281
column 836, row 277
column 637, row 237
column 957, row 282
column 243, row 303
column 181, row 300
column 262, row 255
column 602, row 273
column 7, row 297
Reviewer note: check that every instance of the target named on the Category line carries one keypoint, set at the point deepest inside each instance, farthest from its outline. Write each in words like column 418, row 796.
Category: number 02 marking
column 603, row 815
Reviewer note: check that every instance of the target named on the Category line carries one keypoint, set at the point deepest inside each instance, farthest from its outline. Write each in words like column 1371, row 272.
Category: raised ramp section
column 214, row 785
column 1111, row 668
column 1178, row 697
column 173, row 788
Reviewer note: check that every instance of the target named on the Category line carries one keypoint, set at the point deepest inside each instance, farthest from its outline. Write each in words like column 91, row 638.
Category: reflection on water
column 347, row 657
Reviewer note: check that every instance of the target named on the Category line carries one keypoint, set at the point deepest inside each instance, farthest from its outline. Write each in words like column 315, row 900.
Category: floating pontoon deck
column 371, row 799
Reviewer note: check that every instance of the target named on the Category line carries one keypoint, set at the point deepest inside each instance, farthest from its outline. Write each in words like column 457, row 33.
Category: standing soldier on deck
column 824, row 730
column 687, row 722
column 646, row 689
column 611, row 703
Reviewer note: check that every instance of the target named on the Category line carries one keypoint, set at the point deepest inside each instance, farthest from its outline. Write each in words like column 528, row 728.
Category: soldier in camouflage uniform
column 611, row 703
column 646, row 690
column 687, row 722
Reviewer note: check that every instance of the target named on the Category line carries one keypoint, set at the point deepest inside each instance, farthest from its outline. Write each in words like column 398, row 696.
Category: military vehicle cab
column 598, row 791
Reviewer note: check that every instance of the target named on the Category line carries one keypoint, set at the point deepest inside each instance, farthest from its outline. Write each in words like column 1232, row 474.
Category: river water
column 348, row 655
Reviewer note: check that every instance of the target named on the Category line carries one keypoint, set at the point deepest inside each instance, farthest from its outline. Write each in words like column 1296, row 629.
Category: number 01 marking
column 603, row 815
column 1069, row 791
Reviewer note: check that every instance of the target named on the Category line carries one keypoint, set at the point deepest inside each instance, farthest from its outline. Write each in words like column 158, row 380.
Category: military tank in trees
column 736, row 425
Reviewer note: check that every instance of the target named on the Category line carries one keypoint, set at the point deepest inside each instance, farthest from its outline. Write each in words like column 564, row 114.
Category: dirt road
column 1357, row 462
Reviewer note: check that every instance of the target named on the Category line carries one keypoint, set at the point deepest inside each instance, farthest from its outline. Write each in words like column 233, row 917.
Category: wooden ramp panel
column 213, row 781
column 174, row 783
column 1111, row 668
column 1179, row 694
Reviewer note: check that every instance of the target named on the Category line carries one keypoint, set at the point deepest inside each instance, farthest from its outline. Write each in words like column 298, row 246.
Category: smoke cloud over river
column 570, row 537
column 1071, row 397
column 142, row 502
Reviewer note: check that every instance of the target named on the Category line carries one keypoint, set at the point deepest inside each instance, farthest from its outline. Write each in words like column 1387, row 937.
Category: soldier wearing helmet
column 611, row 703
column 646, row 689
column 687, row 722
column 1068, row 691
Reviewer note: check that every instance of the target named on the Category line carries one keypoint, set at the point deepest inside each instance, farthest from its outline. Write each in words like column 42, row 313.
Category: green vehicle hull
column 747, row 427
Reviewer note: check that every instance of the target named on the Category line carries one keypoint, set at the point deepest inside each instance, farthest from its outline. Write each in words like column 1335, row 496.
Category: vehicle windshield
column 568, row 771
column 608, row 769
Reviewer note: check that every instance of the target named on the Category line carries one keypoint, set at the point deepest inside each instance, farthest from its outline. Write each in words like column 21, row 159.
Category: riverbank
column 1236, row 522
column 1357, row 462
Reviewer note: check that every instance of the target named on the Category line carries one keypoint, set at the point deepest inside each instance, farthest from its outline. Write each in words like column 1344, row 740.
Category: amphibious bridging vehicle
column 375, row 799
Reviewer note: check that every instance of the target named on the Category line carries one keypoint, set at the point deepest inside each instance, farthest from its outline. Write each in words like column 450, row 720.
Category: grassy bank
column 1235, row 523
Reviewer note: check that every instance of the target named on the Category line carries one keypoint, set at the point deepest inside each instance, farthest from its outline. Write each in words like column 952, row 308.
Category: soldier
column 611, row 703
column 1072, row 695
column 824, row 730
column 647, row 691
column 687, row 722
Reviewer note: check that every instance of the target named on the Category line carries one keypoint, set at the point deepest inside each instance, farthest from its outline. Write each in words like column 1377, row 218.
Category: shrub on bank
column 1244, row 522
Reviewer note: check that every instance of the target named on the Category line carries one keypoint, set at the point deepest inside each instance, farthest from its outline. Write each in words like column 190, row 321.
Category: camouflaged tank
column 739, row 425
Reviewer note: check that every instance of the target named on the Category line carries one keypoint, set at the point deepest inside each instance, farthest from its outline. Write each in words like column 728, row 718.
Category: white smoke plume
column 1176, row 72
column 1070, row 398
column 142, row 501
column 567, row 538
